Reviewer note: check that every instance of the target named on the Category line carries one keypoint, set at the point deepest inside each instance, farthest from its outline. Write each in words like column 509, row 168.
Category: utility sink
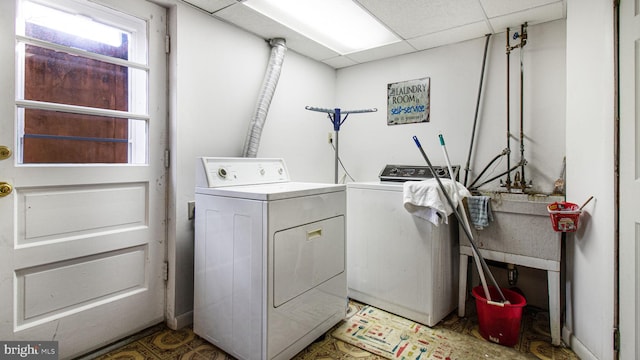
column 521, row 226
column 520, row 233
column 533, row 204
column 496, row 195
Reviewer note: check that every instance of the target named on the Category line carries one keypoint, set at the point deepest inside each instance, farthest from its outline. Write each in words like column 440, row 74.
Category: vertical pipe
column 508, row 181
column 523, row 181
column 336, row 129
column 475, row 117
column 523, row 42
column 268, row 88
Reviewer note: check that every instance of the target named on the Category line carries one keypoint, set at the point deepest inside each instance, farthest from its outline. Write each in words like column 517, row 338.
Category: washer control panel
column 218, row 171
column 401, row 173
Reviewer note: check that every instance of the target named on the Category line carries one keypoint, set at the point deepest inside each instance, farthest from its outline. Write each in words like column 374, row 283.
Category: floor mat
column 394, row 337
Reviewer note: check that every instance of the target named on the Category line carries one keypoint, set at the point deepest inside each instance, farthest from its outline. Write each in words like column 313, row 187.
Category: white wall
column 294, row 133
column 590, row 171
column 216, row 73
column 369, row 143
column 215, row 94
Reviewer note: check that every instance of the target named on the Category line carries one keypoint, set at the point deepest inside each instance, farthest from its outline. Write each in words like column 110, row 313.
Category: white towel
column 426, row 200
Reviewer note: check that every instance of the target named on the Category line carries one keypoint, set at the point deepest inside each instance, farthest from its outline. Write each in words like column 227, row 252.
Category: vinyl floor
column 163, row 343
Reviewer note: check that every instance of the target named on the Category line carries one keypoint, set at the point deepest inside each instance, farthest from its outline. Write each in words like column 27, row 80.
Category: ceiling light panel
column 341, row 25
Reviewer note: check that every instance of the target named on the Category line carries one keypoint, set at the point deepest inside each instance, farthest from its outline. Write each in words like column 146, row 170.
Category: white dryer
column 396, row 261
column 270, row 258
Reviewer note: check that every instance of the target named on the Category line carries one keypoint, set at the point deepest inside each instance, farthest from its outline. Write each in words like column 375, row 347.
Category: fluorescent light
column 71, row 24
column 340, row 25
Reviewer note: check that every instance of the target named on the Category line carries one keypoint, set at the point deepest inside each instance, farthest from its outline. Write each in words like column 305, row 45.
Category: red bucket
column 564, row 216
column 499, row 323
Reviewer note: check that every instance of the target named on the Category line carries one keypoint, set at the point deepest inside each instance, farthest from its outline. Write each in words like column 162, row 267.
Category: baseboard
column 122, row 342
column 578, row 347
column 180, row 321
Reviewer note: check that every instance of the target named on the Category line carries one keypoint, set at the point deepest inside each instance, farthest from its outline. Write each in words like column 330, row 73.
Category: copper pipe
column 508, row 181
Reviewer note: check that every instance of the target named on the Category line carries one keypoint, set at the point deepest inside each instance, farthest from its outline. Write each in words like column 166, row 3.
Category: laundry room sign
column 408, row 101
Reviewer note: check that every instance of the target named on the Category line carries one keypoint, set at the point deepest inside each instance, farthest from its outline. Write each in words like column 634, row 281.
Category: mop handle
column 469, row 236
column 483, row 280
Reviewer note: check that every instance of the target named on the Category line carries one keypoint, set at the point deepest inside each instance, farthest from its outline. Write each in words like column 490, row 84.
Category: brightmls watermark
column 31, row 350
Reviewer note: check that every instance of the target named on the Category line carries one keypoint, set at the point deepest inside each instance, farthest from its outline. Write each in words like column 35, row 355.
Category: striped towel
column 480, row 211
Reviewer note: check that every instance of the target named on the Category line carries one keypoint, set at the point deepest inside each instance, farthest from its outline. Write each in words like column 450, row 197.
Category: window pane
column 59, row 137
column 79, row 54
column 63, row 28
column 59, row 77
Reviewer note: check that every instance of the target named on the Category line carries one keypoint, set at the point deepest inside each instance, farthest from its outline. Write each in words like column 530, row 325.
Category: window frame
column 138, row 77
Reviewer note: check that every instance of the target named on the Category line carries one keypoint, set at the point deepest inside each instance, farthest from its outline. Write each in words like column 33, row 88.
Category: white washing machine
column 396, row 261
column 269, row 262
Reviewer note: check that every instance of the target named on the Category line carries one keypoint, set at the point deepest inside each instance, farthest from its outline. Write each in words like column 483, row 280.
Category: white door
column 82, row 237
column 629, row 278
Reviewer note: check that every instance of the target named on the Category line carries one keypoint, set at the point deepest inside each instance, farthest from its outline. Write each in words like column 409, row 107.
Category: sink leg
column 553, row 280
column 462, row 285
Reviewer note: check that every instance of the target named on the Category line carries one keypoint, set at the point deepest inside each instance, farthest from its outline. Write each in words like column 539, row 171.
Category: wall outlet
column 330, row 137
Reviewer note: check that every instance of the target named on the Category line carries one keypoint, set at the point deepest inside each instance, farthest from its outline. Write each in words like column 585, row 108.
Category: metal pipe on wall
column 475, row 118
column 508, row 181
column 252, row 141
column 519, row 180
column 523, row 42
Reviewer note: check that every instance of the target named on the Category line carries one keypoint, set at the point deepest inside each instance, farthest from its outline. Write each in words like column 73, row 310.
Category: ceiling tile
column 423, row 24
column 458, row 34
column 395, row 49
column 412, row 18
column 339, row 62
column 210, row 6
column 532, row 16
column 494, row 8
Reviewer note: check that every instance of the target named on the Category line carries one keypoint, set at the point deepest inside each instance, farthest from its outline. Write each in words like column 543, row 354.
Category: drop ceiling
column 421, row 24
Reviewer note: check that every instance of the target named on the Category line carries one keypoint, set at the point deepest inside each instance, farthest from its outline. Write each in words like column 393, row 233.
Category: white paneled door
column 83, row 128
column 629, row 278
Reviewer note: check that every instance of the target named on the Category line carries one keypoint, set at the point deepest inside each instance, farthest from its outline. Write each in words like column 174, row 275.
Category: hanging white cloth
column 426, row 200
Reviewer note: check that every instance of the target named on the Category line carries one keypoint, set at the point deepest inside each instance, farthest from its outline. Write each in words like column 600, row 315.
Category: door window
column 82, row 85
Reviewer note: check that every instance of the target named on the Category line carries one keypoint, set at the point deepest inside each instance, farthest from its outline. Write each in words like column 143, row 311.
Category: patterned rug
column 394, row 337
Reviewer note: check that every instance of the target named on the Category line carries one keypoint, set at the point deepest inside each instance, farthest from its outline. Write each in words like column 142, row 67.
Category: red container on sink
column 564, row 216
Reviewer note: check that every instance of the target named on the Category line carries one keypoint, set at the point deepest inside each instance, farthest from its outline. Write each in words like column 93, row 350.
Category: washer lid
column 273, row 191
column 377, row 185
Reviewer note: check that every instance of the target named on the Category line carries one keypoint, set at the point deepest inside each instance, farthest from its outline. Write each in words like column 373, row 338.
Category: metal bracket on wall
column 191, row 210
column 165, row 271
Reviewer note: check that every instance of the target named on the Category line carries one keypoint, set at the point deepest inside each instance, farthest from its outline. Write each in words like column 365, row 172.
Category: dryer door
column 306, row 256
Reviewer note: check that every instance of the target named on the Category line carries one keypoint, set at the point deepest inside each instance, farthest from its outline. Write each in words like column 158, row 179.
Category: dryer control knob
column 222, row 172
